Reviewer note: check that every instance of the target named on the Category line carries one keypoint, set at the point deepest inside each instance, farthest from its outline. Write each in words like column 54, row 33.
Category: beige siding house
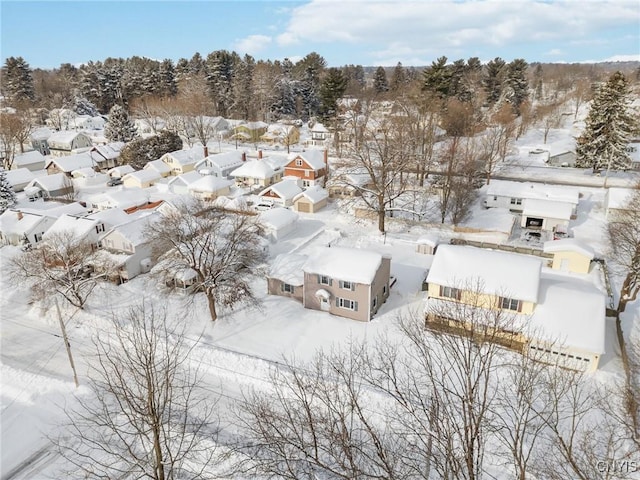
column 348, row 282
column 570, row 255
column 311, row 200
column 286, row 277
column 140, row 179
column 208, row 188
column 562, row 318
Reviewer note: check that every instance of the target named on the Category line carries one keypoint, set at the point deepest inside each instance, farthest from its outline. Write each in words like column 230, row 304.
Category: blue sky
column 48, row 33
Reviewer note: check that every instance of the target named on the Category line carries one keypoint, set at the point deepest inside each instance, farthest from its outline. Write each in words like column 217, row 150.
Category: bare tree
column 549, row 117
column 223, row 250
column 147, row 417
column 381, row 158
column 581, row 93
column 15, row 129
column 624, row 240
column 61, row 265
column 153, row 111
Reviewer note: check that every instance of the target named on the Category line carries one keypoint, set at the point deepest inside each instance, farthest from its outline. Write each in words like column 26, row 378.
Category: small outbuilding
column 311, row 200
column 570, row 255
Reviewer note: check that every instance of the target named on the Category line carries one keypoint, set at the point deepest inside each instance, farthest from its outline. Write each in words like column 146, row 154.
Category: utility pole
column 67, row 344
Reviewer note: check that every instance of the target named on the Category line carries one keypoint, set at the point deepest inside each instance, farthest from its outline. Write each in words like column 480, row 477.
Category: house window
column 306, row 183
column 516, row 201
column 375, row 302
column 347, row 304
column 307, row 173
column 450, row 292
column 100, row 228
column 495, row 198
column 347, row 285
column 298, row 162
column 37, row 237
column 287, row 288
column 324, row 280
column 510, row 304
column 384, row 289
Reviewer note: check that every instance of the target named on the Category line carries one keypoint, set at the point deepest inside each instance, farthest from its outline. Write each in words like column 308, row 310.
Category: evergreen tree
column 380, row 83
column 332, row 89
column 437, row 78
column 493, row 79
column 119, row 128
column 516, row 87
column 82, row 106
column 142, row 150
column 398, row 78
column 17, row 80
column 283, row 103
column 220, row 68
column 538, row 81
column 167, row 74
column 608, row 128
column 7, row 195
column 244, row 106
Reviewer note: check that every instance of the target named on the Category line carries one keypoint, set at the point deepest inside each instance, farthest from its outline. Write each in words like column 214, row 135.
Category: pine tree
column 437, row 78
column 82, row 106
column 120, row 128
column 380, row 83
column 168, row 85
column 221, row 67
column 608, row 128
column 7, row 195
column 516, row 85
column 493, row 79
column 17, row 81
column 398, row 78
column 332, row 89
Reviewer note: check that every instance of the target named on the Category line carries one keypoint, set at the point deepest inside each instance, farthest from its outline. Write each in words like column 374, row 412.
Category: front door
column 324, row 304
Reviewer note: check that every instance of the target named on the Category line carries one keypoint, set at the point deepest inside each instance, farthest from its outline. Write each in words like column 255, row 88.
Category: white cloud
column 449, row 25
column 554, row 52
column 617, row 58
column 252, row 44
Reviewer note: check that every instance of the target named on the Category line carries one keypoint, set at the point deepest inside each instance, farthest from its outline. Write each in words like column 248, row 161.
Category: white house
column 87, row 122
column 50, row 186
column 278, row 222
column 158, row 166
column 106, row 156
column 19, row 178
column 128, row 248
column 221, row 164
column 318, row 135
column 180, row 184
column 82, row 227
column 547, row 215
column 282, row 193
column 617, row 200
column 511, row 195
column 258, row 173
column 21, row 228
column 120, row 171
column 33, row 160
column 122, row 199
column 65, row 142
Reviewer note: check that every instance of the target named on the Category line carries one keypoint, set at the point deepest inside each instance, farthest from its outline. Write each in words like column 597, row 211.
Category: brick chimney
column 259, row 154
column 20, row 216
column 244, row 156
column 206, row 151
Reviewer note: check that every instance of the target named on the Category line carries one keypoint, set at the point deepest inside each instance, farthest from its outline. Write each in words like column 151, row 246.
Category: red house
column 310, row 167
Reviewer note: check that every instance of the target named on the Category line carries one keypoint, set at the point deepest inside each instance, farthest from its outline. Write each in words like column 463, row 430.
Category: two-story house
column 526, row 306
column 183, row 161
column 309, row 166
column 220, row 165
column 65, row 142
column 348, row 282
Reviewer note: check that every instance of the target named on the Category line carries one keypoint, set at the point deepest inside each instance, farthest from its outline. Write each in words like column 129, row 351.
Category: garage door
column 304, row 207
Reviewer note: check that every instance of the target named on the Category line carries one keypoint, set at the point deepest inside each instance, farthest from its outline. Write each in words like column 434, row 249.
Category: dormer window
column 298, row 162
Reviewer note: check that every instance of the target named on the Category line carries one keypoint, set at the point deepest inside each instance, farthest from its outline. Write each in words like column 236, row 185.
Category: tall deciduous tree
column 223, row 250
column 148, row 416
column 608, row 128
column 119, row 128
column 17, row 80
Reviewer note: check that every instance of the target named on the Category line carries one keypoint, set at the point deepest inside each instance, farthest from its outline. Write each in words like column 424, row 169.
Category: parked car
column 262, row 206
column 114, row 181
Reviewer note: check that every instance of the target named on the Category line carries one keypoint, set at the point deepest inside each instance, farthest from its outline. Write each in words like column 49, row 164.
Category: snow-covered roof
column 79, row 225
column 503, row 188
column 618, row 198
column 430, row 239
column 533, row 207
column 63, row 139
column 143, row 176
column 134, row 230
column 286, row 189
column 86, row 172
column 209, row 183
column 49, row 183
column 222, row 160
column 318, row 127
column 314, row 194
column 18, row 222
column 28, row 158
column 287, row 267
column 42, row 133
column 277, row 218
column 254, row 169
column 124, row 199
column 341, row 263
column 313, row 158
column 54, row 209
column 110, row 217
column 19, row 176
column 109, row 151
column 568, row 245
column 571, row 313
column 121, row 170
column 489, row 271
column 157, row 165
column 185, row 179
column 186, row 157
column 72, row 162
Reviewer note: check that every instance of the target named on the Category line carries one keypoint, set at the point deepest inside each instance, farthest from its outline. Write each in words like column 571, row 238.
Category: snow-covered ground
column 241, row 347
